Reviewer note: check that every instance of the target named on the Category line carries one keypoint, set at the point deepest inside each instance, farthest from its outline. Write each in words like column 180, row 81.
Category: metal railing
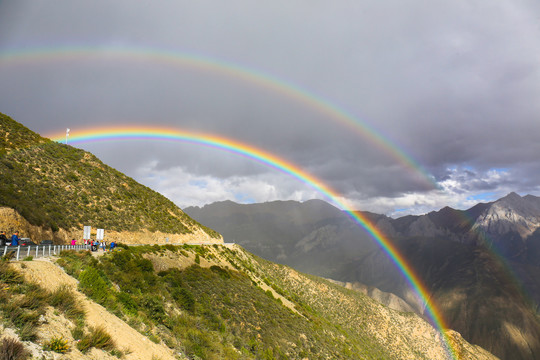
column 37, row 251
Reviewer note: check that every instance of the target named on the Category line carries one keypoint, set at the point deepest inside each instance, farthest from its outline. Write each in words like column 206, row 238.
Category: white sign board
column 86, row 233
column 100, row 234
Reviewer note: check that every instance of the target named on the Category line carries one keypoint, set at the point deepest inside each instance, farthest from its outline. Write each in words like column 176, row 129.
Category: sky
column 400, row 107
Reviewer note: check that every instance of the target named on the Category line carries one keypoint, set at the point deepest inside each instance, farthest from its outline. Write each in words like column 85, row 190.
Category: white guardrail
column 39, row 250
column 52, row 250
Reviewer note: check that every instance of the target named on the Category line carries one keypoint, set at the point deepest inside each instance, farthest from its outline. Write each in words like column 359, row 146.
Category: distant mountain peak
column 510, row 214
column 512, row 196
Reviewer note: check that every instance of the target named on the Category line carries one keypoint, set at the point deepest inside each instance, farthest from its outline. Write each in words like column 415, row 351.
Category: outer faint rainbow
column 273, row 161
column 126, row 54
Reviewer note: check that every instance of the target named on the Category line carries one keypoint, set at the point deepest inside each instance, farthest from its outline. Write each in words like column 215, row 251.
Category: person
column 103, row 245
column 15, row 239
column 73, row 242
column 3, row 239
column 112, row 246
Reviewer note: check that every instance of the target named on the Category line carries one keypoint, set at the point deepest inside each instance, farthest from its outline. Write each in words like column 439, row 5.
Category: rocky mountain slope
column 481, row 264
column 50, row 190
column 210, row 302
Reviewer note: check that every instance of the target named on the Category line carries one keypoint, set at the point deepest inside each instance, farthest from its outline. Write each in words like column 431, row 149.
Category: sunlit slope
column 479, row 295
column 60, row 188
column 221, row 302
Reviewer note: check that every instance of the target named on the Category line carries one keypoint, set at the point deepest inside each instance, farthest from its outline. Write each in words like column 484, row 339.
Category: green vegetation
column 57, row 344
column 22, row 304
column 215, row 312
column 57, row 186
column 64, row 300
column 98, row 338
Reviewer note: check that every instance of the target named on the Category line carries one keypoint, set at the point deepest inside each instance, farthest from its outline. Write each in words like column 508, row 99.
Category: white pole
column 67, row 134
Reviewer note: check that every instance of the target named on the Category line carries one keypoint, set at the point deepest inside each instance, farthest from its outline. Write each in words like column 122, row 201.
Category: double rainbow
column 273, row 161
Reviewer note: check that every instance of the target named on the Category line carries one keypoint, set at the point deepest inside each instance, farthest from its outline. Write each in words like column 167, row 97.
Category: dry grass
column 12, row 349
column 97, row 337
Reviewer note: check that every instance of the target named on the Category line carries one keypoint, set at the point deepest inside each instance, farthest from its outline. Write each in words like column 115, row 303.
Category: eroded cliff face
column 385, row 298
column 11, row 220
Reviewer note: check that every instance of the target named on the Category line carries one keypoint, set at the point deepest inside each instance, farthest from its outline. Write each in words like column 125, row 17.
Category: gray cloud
column 453, row 85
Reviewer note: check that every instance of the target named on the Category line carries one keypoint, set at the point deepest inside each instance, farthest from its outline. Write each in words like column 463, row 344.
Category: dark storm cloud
column 454, row 85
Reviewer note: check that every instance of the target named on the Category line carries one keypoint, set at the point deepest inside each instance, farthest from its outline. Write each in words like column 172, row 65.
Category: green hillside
column 57, row 186
column 221, row 302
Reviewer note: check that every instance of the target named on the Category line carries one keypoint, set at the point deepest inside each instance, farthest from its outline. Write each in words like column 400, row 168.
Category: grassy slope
column 57, row 186
column 476, row 296
column 222, row 310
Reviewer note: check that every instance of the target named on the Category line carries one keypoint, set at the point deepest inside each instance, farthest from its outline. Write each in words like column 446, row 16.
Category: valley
column 480, row 264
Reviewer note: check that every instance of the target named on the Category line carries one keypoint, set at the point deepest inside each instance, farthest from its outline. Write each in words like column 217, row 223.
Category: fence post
column 28, row 252
column 49, row 250
column 18, row 251
column 37, row 251
column 5, row 250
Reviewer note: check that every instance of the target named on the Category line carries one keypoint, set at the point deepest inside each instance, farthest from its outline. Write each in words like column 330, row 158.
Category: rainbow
column 145, row 55
column 270, row 160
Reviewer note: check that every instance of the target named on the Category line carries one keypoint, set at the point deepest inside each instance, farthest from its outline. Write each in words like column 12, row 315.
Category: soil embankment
column 134, row 345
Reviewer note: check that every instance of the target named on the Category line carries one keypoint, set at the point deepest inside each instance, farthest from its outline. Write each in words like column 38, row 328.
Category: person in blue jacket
column 15, row 239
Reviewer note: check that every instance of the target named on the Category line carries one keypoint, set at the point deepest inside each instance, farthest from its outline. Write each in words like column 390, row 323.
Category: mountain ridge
column 454, row 251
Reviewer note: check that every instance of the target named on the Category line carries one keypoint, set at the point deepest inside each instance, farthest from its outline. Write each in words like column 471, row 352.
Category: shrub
column 153, row 307
column 129, row 305
column 183, row 298
column 121, row 259
column 145, row 265
column 54, row 228
column 28, row 331
column 77, row 332
column 93, row 285
column 64, row 299
column 8, row 275
column 12, row 349
column 34, row 297
column 97, row 337
column 221, row 271
column 57, row 344
column 23, row 319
